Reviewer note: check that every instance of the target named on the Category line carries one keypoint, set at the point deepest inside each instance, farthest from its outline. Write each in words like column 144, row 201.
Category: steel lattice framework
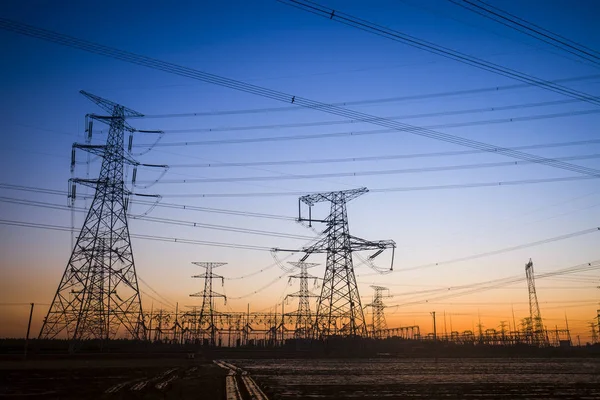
column 98, row 293
column 206, row 319
column 339, row 310
column 535, row 324
column 379, row 323
column 303, row 315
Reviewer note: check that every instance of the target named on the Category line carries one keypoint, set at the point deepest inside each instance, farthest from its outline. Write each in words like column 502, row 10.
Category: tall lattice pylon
column 535, row 324
column 378, row 324
column 339, row 310
column 98, row 296
column 303, row 314
column 206, row 319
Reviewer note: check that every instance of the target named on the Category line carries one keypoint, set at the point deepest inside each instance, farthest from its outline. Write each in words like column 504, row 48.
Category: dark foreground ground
column 177, row 377
column 122, row 378
column 393, row 378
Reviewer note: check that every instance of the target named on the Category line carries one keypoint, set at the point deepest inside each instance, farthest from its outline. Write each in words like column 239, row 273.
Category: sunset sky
column 273, row 45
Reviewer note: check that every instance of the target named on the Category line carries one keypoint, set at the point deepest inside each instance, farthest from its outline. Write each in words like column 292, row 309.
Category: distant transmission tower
column 536, row 326
column 339, row 310
column 598, row 318
column 98, row 293
column 207, row 313
column 303, row 314
column 379, row 324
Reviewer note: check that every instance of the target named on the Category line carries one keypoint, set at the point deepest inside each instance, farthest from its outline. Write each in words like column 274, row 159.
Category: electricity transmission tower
column 536, row 326
column 379, row 324
column 303, row 314
column 98, row 293
column 207, row 312
column 339, row 310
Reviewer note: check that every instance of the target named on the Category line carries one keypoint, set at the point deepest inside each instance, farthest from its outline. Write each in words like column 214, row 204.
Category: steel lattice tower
column 536, row 326
column 339, row 310
column 379, row 324
column 98, row 293
column 303, row 314
column 207, row 312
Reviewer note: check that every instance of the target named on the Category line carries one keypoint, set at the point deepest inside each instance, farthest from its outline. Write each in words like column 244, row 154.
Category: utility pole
column 434, row 327
column 339, row 309
column 536, row 324
column 379, row 324
column 98, row 293
column 303, row 328
column 206, row 319
column 28, row 329
column 282, row 325
column 445, row 330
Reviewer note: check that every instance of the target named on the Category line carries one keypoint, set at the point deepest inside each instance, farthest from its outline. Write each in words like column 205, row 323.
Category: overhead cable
column 379, row 30
column 70, row 41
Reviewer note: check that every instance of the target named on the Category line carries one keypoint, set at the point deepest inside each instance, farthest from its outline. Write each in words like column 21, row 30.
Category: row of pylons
column 98, row 296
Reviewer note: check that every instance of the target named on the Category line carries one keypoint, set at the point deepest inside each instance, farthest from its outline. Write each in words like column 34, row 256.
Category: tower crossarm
column 101, row 151
column 96, row 149
column 302, row 294
column 109, row 106
column 359, row 244
column 345, row 195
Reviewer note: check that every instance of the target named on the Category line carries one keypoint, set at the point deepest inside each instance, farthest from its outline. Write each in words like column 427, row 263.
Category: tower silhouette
column 98, row 295
column 339, row 310
column 303, row 314
column 379, row 323
column 207, row 315
column 535, row 324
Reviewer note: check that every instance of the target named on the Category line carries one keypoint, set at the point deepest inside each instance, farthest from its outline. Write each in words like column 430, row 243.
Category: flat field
column 498, row 378
column 120, row 378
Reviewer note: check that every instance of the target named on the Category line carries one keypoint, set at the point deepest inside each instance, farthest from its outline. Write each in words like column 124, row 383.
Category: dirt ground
column 164, row 378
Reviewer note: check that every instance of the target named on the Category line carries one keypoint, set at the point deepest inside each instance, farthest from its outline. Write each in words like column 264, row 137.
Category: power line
column 168, row 302
column 368, row 173
column 479, row 287
column 250, row 247
column 314, row 136
column 410, row 116
column 391, row 189
column 504, row 250
column 164, row 205
column 140, row 236
column 412, row 41
column 376, row 158
column 437, row 95
column 535, row 31
column 170, row 221
column 95, row 48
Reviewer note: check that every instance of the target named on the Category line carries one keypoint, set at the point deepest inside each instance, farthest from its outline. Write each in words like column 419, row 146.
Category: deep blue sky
column 276, row 46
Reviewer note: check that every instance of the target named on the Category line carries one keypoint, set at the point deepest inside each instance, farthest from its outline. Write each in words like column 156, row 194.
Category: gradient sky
column 273, row 45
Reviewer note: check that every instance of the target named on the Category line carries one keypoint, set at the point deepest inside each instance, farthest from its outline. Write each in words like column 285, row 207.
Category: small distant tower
column 206, row 319
column 598, row 318
column 303, row 314
column 536, row 326
column 379, row 323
